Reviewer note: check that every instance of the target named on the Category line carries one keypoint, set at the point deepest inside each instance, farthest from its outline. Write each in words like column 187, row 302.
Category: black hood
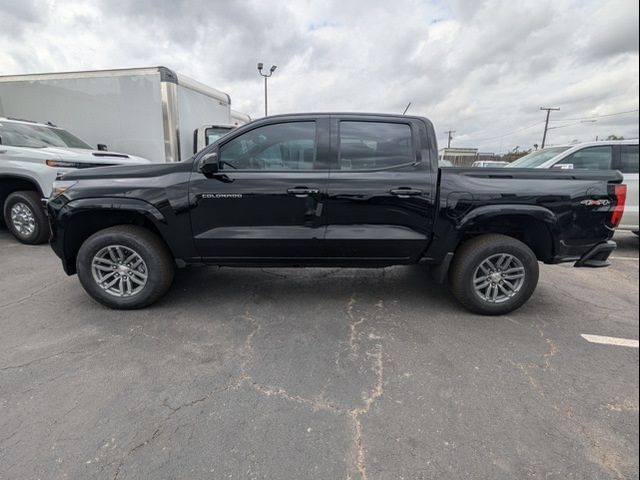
column 128, row 171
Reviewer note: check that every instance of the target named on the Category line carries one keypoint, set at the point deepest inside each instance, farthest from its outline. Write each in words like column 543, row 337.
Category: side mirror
column 209, row 165
column 102, row 147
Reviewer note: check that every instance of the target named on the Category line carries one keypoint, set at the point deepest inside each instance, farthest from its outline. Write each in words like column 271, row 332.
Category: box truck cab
column 207, row 134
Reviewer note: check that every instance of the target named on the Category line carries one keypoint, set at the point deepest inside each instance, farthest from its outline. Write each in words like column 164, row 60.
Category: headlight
column 68, row 164
column 62, row 164
column 61, row 186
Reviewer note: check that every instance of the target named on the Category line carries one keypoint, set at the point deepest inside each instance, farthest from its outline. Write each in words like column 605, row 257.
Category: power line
column 596, row 117
column 510, row 133
column 557, row 120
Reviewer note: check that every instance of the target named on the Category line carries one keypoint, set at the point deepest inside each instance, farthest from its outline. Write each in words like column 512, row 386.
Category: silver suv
column 32, row 155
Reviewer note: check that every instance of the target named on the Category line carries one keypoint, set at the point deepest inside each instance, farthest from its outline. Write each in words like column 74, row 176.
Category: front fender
column 72, row 222
column 116, row 203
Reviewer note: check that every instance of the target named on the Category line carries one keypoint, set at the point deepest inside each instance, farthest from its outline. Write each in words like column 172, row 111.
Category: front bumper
column 597, row 256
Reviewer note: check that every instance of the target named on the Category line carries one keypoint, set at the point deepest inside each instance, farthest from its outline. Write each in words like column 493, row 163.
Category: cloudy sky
column 481, row 68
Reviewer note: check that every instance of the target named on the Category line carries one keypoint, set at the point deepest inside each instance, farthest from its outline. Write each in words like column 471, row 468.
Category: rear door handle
column 405, row 192
column 302, row 192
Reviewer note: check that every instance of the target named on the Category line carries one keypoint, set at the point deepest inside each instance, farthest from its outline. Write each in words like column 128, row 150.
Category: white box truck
column 153, row 113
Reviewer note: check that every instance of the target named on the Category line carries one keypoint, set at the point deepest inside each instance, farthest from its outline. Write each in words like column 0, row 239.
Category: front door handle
column 405, row 192
column 302, row 192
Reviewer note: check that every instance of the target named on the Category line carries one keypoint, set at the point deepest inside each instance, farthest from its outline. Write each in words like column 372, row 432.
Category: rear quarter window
column 629, row 159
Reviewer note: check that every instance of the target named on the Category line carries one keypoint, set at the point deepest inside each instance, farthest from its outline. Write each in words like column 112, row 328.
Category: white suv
column 607, row 155
column 32, row 155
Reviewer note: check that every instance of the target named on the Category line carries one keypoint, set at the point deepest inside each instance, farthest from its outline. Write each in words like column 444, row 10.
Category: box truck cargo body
column 148, row 112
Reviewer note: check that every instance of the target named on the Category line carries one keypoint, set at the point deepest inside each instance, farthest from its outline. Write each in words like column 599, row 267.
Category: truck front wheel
column 493, row 274
column 25, row 217
column 125, row 267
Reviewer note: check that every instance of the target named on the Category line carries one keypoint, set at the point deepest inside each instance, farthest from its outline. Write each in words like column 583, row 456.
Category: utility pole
column 266, row 75
column 546, row 123
column 449, row 137
column 405, row 110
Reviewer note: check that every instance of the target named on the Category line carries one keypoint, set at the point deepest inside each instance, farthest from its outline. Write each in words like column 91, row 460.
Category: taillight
column 619, row 198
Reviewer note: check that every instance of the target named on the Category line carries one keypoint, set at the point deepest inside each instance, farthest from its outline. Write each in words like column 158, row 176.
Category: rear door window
column 374, row 145
column 591, row 158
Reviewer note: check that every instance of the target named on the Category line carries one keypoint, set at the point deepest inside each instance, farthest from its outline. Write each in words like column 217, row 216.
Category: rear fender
column 480, row 215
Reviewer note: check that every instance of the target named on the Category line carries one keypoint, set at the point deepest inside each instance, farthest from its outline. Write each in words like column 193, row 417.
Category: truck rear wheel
column 25, row 217
column 493, row 274
column 125, row 267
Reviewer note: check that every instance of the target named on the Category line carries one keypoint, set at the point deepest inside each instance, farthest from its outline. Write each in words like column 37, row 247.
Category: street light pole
column 265, row 75
column 546, row 123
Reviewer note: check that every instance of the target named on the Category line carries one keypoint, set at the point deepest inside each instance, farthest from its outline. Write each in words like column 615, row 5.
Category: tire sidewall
column 475, row 258
column 156, row 281
column 41, row 230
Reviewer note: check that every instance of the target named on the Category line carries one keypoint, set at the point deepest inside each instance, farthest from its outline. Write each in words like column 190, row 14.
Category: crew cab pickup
column 352, row 190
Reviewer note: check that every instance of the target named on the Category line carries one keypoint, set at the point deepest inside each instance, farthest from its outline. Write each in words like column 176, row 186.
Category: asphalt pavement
column 316, row 374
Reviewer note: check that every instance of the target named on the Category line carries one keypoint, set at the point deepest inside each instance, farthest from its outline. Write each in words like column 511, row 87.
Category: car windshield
column 16, row 134
column 537, row 158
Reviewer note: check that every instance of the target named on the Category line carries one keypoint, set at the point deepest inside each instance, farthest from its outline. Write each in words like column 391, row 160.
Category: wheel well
column 532, row 232
column 84, row 224
column 8, row 185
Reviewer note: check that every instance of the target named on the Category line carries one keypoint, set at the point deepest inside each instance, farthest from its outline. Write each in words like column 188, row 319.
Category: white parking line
column 620, row 342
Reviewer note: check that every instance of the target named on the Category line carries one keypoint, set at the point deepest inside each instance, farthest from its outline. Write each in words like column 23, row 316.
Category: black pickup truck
column 352, row 190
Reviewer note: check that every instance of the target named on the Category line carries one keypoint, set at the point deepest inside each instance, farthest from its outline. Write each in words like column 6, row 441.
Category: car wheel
column 25, row 217
column 125, row 267
column 493, row 274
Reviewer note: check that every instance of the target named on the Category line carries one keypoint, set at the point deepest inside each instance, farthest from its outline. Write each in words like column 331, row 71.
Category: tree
column 615, row 137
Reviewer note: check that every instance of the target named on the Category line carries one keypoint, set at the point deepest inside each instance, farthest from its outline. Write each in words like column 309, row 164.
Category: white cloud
column 482, row 68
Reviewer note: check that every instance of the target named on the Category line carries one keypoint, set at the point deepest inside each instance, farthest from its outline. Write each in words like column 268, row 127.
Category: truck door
column 269, row 205
column 380, row 194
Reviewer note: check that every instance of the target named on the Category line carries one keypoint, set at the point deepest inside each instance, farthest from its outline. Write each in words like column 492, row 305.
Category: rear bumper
column 597, row 256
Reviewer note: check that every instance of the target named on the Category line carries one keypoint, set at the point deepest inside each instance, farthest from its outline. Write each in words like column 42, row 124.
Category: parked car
column 347, row 190
column 445, row 163
column 608, row 155
column 32, row 155
column 154, row 112
column 489, row 164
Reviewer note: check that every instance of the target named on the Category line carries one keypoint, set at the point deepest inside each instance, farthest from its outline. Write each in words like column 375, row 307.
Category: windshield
column 214, row 133
column 537, row 158
column 37, row 136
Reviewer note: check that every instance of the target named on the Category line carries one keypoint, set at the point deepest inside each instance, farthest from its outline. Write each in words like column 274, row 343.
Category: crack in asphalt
column 316, row 404
column 375, row 393
column 607, row 458
column 26, row 297
column 39, row 359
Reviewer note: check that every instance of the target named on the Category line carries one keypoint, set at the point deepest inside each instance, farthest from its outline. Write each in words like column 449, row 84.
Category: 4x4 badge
column 596, row 203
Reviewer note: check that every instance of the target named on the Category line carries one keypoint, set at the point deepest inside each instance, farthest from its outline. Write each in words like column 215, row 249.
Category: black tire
column 467, row 261
column 31, row 201
column 158, row 261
